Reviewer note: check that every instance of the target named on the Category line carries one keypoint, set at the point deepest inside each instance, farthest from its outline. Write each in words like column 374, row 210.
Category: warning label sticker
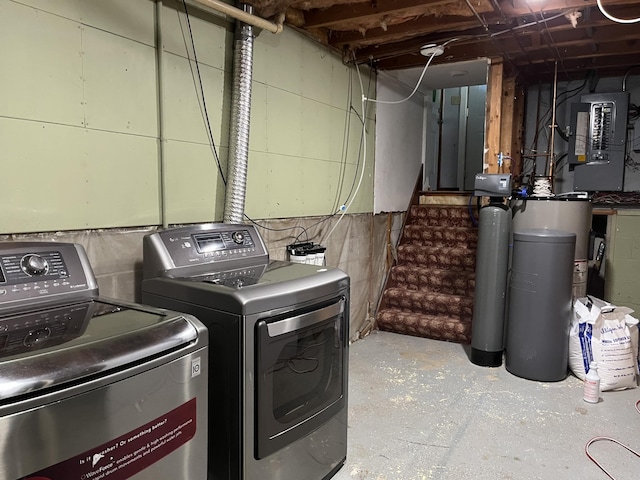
column 130, row 453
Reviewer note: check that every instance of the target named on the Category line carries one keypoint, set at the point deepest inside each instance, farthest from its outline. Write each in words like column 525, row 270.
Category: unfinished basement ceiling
column 531, row 35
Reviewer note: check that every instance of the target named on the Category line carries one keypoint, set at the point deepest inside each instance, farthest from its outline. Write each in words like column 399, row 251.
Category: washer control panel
column 30, row 270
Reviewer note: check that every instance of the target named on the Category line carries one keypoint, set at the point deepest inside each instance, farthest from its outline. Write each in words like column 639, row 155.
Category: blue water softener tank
column 539, row 312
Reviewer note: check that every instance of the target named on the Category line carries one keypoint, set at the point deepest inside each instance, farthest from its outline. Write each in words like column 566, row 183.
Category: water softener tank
column 539, row 313
column 492, row 259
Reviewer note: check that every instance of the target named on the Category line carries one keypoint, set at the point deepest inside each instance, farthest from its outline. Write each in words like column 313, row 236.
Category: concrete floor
column 419, row 409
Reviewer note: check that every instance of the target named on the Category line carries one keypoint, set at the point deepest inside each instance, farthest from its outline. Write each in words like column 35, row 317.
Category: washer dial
column 34, row 265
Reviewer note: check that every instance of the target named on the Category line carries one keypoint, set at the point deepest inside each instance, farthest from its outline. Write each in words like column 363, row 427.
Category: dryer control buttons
column 34, row 265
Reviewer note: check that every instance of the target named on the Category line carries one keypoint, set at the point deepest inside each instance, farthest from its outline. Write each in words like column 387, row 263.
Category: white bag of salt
column 606, row 334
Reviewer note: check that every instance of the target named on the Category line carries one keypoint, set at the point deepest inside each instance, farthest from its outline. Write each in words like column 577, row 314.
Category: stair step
column 428, row 303
column 440, row 236
column 441, row 215
column 433, row 280
column 438, row 327
column 445, row 258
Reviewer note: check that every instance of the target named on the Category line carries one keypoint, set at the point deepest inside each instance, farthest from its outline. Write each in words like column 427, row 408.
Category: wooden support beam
column 494, row 110
column 518, row 126
column 507, row 130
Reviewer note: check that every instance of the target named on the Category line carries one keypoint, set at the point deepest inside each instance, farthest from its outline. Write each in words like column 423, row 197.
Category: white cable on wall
column 436, row 50
column 390, row 102
column 343, row 209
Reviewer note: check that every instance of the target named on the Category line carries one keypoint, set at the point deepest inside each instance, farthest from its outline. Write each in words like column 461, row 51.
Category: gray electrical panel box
column 598, row 140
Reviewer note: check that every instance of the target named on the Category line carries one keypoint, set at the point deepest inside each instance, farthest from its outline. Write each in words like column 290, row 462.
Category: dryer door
column 300, row 380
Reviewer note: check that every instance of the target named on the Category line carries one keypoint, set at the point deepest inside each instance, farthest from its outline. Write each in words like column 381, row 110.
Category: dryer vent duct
column 240, row 122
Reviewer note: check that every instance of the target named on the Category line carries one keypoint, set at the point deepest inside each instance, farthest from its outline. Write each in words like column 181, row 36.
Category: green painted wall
column 79, row 119
column 623, row 259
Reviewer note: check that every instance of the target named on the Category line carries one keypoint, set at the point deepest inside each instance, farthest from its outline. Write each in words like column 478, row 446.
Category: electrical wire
column 197, row 78
column 609, row 439
column 345, row 142
column 363, row 143
column 271, row 229
column 201, row 97
column 544, row 119
column 395, row 102
column 360, row 146
column 305, row 230
column 615, row 19
column 424, row 70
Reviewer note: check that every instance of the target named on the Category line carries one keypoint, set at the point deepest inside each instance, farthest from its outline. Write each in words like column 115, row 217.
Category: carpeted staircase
column 429, row 292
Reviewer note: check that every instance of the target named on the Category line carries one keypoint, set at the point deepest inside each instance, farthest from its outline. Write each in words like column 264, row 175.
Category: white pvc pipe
column 238, row 14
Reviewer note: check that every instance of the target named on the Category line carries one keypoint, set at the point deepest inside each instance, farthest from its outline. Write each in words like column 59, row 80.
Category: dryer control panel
column 213, row 246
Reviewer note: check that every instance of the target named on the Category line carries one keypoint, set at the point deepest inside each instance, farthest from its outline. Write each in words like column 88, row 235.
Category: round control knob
column 34, row 265
column 238, row 237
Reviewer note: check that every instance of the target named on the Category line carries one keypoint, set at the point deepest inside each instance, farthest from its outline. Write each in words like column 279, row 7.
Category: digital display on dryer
column 209, row 242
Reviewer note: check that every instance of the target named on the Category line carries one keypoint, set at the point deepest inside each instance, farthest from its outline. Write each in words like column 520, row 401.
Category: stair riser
column 455, row 307
column 439, row 328
column 456, row 261
column 434, row 216
column 448, row 283
column 429, row 238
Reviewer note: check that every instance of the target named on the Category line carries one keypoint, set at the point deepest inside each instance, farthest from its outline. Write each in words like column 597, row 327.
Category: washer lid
column 47, row 347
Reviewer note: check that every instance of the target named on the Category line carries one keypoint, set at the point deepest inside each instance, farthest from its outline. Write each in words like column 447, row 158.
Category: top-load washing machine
column 92, row 388
column 279, row 349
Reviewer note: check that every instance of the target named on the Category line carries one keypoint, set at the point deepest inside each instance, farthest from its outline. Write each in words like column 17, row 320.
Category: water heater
column 598, row 140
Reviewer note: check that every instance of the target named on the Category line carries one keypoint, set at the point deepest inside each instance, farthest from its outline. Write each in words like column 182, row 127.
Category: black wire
column 204, row 102
column 304, row 229
column 335, row 212
column 362, row 134
column 206, row 114
column 546, row 117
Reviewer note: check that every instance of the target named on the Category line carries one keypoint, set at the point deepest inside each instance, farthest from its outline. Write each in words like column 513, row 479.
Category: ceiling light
column 431, row 50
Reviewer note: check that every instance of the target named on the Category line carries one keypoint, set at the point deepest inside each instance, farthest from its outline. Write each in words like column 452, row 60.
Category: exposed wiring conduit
column 243, row 15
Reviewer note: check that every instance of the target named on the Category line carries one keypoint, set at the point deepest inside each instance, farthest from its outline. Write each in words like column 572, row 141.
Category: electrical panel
column 598, row 140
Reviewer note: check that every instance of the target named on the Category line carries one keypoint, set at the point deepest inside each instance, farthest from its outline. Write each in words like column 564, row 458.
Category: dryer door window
column 300, row 381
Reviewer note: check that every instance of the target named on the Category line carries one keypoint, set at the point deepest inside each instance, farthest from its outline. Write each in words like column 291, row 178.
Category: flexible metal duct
column 240, row 122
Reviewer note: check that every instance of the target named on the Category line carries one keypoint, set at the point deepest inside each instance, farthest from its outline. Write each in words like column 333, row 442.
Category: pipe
column 240, row 123
column 624, row 80
column 244, row 16
column 552, row 148
column 161, row 117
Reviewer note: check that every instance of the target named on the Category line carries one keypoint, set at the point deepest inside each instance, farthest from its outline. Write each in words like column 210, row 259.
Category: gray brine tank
column 539, row 314
column 492, row 259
